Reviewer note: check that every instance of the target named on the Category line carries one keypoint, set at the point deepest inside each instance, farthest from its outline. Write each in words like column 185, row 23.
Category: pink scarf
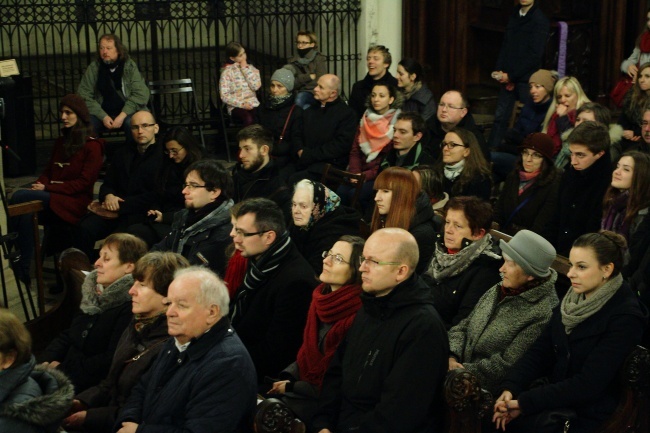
column 375, row 132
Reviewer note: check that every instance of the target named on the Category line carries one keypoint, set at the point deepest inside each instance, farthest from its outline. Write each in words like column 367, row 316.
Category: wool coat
column 497, row 333
column 303, row 79
column 421, row 102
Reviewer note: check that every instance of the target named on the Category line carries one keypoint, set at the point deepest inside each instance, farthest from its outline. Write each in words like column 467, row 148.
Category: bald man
column 388, row 372
column 329, row 126
column 129, row 187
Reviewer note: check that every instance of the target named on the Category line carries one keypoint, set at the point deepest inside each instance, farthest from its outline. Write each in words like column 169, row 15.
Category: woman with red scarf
column 641, row 52
column 334, row 305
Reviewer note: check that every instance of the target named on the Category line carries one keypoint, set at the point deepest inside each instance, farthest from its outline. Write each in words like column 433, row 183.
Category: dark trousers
column 505, row 105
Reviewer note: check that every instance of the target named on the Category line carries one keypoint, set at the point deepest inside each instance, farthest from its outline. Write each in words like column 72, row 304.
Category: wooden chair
column 467, row 403
column 516, row 111
column 333, row 177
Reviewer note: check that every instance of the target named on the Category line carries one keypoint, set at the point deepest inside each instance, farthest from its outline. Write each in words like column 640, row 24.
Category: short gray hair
column 212, row 290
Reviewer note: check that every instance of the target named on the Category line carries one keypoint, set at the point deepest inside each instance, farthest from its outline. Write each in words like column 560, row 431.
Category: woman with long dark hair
column 634, row 104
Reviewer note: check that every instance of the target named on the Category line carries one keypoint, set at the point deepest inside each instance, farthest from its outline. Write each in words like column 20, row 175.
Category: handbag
column 620, row 89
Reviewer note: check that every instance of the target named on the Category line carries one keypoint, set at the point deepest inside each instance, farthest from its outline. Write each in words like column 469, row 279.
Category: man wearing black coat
column 378, row 61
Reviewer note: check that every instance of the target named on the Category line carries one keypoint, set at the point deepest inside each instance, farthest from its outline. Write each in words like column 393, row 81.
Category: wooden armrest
column 25, row 208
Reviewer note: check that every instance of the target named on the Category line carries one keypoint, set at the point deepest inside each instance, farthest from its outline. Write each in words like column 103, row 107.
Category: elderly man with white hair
column 204, row 379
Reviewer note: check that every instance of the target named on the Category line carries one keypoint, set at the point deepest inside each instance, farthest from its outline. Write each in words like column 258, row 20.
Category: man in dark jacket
column 270, row 307
column 407, row 149
column 203, row 380
column 329, row 128
column 387, row 374
column 378, row 61
column 520, row 56
column 256, row 175
column 128, row 189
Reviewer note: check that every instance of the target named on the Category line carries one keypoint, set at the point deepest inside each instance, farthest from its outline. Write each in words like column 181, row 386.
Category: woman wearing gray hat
column 511, row 315
column 581, row 350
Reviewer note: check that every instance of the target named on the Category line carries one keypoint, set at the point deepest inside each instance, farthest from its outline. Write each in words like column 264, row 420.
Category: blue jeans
column 304, row 99
column 22, row 225
column 505, row 105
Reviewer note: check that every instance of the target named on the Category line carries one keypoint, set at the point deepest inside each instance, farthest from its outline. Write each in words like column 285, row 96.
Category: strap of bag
column 286, row 122
column 517, row 209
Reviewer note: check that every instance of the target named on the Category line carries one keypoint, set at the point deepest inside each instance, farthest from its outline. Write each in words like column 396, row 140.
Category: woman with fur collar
column 85, row 350
column 33, row 399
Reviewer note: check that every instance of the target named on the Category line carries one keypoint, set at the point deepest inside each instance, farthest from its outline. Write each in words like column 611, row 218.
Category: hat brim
column 514, row 255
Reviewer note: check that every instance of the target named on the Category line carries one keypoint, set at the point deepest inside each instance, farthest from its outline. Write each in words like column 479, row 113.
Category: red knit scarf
column 644, row 44
column 235, row 272
column 337, row 308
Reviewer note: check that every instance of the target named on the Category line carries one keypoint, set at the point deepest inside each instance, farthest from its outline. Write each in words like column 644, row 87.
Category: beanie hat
column 77, row 104
column 539, row 142
column 531, row 252
column 544, row 78
column 285, row 77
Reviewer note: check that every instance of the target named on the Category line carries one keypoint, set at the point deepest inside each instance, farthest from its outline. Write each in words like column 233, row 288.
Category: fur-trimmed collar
column 112, row 296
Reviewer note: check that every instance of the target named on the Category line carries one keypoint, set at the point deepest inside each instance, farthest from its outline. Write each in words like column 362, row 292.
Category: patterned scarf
column 140, row 322
column 325, row 201
column 446, row 265
column 576, row 308
column 275, row 101
column 95, row 299
column 375, row 132
column 526, row 179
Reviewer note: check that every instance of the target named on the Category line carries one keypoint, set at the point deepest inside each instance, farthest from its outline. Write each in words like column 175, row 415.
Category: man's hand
column 119, row 120
column 158, row 214
column 128, row 427
column 112, row 202
column 38, row 187
column 108, row 122
column 454, row 364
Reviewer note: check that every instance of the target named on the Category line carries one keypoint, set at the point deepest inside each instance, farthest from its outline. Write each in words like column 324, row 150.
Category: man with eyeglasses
column 452, row 112
column 388, row 372
column 408, row 150
column 128, row 188
column 201, row 231
column 269, row 309
column 378, row 61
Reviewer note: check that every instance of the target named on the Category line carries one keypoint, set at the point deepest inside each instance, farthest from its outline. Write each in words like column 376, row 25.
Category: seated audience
column 307, row 67
column 181, row 149
column 641, row 52
column 388, row 372
column 269, row 308
column 203, row 380
column 417, row 96
column 466, row 170
column 84, row 351
column 583, row 347
column 33, row 399
column 568, row 96
column 66, row 185
column 283, row 117
column 399, row 202
column 334, row 305
column 319, row 220
column 635, row 103
column 529, row 195
column 582, row 187
column 95, row 410
column 201, row 231
column 127, row 192
column 529, row 120
column 407, row 150
column 510, row 315
column 372, row 142
column 465, row 262
column 328, row 131
column 378, row 60
column 238, row 83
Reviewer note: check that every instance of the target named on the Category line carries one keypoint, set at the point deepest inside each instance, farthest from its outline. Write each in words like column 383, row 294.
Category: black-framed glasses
column 173, row 151
column 192, row 186
column 243, row 234
column 336, row 258
column 535, row 155
column 142, row 126
column 451, row 107
column 451, row 145
column 371, row 262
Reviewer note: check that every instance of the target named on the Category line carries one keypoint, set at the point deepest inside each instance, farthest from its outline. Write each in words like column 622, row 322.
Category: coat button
column 180, row 361
column 84, row 334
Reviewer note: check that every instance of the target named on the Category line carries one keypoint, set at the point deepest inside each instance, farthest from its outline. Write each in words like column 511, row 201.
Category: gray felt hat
column 532, row 252
column 285, row 77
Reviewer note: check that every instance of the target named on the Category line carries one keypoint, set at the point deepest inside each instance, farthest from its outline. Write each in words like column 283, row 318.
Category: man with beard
column 113, row 87
column 201, row 231
column 256, row 175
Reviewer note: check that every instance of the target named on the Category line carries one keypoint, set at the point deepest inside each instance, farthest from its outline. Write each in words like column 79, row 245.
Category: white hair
column 212, row 289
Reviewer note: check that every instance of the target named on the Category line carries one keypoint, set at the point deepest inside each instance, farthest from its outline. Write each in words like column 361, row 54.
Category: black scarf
column 194, row 216
column 109, row 83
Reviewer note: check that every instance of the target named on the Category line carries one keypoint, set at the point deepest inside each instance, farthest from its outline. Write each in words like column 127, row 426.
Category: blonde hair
column 574, row 86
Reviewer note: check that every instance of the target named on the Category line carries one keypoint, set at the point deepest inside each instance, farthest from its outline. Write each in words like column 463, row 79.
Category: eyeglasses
column 143, row 126
column 336, row 258
column 172, row 151
column 451, row 107
column 242, row 234
column 193, row 186
column 535, row 155
column 373, row 263
column 301, row 43
column 451, row 145
column 645, row 124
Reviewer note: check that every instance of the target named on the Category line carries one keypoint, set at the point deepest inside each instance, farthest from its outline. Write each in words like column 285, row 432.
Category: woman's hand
column 112, row 202
column 454, row 364
column 158, row 214
column 628, row 134
column 51, row 364
column 505, row 410
column 561, row 109
column 38, row 187
column 278, row 387
column 632, row 70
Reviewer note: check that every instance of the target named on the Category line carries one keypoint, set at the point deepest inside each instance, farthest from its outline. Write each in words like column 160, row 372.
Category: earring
column 604, row 278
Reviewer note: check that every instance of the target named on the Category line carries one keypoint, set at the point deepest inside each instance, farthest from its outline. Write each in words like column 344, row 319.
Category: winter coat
column 135, row 353
column 479, row 186
column 580, row 204
column 271, row 329
column 422, row 102
column 209, row 387
column 328, row 135
column 582, row 367
column 436, row 135
column 423, row 231
column 134, row 91
column 85, row 350
column 33, row 399
column 237, row 86
column 497, row 333
column 264, row 183
column 70, row 181
column 362, row 89
column 388, row 372
column 416, row 155
column 324, row 233
column 274, row 120
column 563, row 158
column 204, row 242
column 529, row 120
column 455, row 297
column 303, row 80
column 540, row 203
column 132, row 177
